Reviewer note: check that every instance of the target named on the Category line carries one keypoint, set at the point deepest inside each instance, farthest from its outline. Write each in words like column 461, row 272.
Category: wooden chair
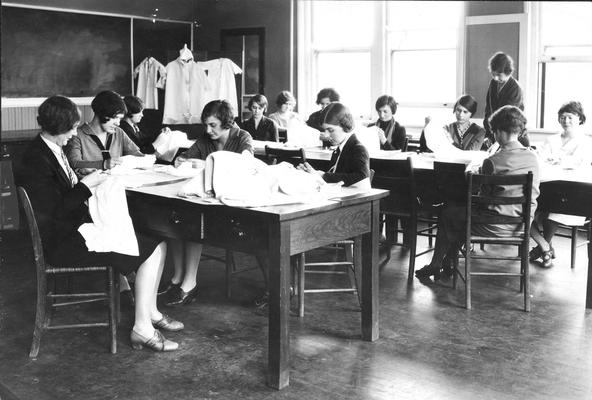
column 476, row 200
column 276, row 155
column 572, row 234
column 405, row 203
column 48, row 300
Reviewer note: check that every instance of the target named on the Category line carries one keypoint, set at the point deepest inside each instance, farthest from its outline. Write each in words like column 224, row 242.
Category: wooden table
column 279, row 232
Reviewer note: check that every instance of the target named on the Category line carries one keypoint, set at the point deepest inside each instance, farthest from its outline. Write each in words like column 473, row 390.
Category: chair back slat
column 33, row 229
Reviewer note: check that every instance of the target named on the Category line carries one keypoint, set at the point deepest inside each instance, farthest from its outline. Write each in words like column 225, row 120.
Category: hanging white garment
column 221, row 73
column 185, row 86
column 112, row 228
column 148, row 74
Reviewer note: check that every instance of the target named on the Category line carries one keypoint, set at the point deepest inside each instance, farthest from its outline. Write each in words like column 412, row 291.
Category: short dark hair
column 386, row 100
column 133, row 104
column 338, row 114
column 573, row 107
column 57, row 115
column 260, row 99
column 508, row 119
column 330, row 93
column 501, row 63
column 283, row 97
column 220, row 109
column 108, row 104
column 468, row 102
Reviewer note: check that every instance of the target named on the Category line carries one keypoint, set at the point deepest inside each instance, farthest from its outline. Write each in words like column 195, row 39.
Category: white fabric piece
column 186, row 87
column 222, row 84
column 301, row 135
column 168, row 143
column 112, row 229
column 148, row 73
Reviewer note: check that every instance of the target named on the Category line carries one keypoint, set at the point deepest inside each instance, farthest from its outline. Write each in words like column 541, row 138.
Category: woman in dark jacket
column 393, row 134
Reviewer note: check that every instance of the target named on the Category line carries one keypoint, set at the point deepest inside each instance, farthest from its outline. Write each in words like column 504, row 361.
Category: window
column 365, row 49
column 565, row 58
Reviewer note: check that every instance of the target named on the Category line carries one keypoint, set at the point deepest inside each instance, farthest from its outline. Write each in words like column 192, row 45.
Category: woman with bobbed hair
column 129, row 124
column 570, row 149
column 463, row 133
column 221, row 134
column 503, row 90
column 259, row 126
column 285, row 114
column 350, row 161
column 59, row 200
column 324, row 98
column 392, row 134
column 512, row 158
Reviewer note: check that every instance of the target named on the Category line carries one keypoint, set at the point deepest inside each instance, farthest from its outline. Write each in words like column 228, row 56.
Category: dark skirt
column 72, row 252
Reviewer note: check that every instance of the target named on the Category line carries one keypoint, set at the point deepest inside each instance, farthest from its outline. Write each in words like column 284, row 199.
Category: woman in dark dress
column 259, row 126
column 129, row 124
column 59, row 199
column 392, row 134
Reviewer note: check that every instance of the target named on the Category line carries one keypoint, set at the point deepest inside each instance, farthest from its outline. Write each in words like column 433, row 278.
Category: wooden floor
column 430, row 347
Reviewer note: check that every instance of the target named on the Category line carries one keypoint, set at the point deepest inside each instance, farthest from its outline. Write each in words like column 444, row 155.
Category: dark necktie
column 334, row 158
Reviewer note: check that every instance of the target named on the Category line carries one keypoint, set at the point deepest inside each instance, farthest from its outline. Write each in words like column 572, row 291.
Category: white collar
column 55, row 148
column 345, row 141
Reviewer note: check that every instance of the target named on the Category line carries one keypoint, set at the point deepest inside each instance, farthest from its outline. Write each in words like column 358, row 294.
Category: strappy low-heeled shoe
column 168, row 324
column 547, row 259
column 535, row 253
column 157, row 342
column 428, row 271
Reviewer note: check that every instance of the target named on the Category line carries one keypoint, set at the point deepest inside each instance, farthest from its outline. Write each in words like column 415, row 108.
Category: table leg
column 278, row 367
column 589, row 282
column 370, row 278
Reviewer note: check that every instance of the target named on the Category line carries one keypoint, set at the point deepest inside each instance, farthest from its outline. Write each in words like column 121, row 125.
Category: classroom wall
column 273, row 15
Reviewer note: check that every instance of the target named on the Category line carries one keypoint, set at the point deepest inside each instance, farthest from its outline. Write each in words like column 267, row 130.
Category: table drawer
column 566, row 198
column 160, row 218
column 245, row 233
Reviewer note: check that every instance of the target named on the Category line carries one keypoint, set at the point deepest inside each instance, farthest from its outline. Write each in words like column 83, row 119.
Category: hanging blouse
column 148, row 73
column 221, row 73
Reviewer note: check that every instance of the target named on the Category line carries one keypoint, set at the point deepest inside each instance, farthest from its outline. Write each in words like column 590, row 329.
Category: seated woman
column 221, row 134
column 511, row 158
column 571, row 149
column 100, row 143
column 259, row 126
column 392, row 134
column 463, row 133
column 129, row 124
column 324, row 97
column 59, row 200
column 285, row 114
column 350, row 160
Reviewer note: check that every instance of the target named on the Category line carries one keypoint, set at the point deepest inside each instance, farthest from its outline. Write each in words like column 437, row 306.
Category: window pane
column 564, row 82
column 418, row 15
column 413, row 118
column 349, row 74
column 434, row 38
column 566, row 23
column 339, row 24
column 437, row 69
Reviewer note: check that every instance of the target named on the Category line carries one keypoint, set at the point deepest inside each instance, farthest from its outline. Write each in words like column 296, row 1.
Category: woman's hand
column 381, row 136
column 306, row 167
column 179, row 161
column 112, row 162
column 94, row 178
column 85, row 171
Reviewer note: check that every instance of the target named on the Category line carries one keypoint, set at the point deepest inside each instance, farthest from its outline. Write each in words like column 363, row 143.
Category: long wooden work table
column 277, row 232
column 563, row 190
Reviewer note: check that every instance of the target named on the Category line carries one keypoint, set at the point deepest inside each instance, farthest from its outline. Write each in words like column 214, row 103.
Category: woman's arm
column 74, row 152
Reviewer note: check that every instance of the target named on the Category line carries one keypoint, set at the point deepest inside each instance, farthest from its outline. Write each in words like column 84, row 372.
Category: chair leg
column 468, row 277
column 412, row 240
column 117, row 299
column 358, row 266
column 574, row 245
column 40, row 316
column 112, row 304
column 525, row 265
column 301, row 274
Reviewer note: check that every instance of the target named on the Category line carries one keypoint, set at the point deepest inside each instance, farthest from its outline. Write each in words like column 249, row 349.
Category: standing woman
column 570, row 149
column 221, row 134
column 324, row 98
column 259, row 126
column 503, row 90
column 129, row 124
column 100, row 143
column 285, row 114
column 392, row 134
column 59, row 199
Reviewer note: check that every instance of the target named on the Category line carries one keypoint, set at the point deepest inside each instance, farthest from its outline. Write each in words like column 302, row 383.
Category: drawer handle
column 175, row 218
column 563, row 200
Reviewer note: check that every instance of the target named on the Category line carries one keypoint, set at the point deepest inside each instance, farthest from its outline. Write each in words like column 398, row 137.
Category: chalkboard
column 50, row 52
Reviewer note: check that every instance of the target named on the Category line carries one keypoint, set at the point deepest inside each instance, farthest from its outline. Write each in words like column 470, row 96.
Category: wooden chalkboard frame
column 9, row 101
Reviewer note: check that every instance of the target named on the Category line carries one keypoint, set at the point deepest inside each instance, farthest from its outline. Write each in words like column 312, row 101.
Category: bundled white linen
column 112, row 228
column 168, row 143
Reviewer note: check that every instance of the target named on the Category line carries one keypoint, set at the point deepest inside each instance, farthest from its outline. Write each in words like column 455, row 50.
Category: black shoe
column 426, row 272
column 164, row 287
column 262, row 301
column 535, row 253
column 177, row 296
column 447, row 268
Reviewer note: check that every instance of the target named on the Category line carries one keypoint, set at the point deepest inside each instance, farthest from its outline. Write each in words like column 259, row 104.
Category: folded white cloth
column 112, row 228
column 168, row 143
